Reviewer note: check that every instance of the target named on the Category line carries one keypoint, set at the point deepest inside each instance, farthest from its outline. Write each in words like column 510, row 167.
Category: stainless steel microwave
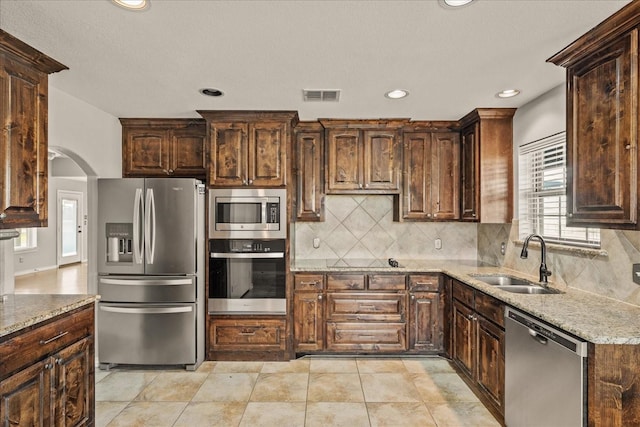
column 248, row 213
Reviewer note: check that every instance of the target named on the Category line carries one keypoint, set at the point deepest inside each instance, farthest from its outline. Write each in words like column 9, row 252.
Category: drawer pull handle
column 57, row 337
column 247, row 334
column 372, row 307
column 309, row 283
column 366, row 336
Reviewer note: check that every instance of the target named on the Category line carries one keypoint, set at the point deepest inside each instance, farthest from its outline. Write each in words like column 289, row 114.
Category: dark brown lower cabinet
column 54, row 383
column 234, row 337
column 478, row 344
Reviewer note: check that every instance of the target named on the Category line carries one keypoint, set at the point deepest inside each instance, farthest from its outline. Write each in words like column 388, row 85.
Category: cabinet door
column 267, row 154
column 382, row 160
column 308, row 321
column 463, row 338
column 602, row 137
column 74, row 384
column 470, row 173
column 445, row 180
column 309, row 173
column 25, row 398
column 490, row 348
column 425, row 321
column 145, row 152
column 345, row 158
column 188, row 152
column 228, row 154
column 23, row 145
column 417, row 169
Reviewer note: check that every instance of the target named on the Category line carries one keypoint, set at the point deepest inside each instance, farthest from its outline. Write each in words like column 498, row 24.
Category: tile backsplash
column 362, row 228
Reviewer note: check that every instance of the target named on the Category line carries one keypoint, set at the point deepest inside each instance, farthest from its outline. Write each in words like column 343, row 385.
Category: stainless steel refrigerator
column 151, row 261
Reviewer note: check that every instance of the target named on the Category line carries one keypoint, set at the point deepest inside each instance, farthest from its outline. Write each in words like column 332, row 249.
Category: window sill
column 565, row 249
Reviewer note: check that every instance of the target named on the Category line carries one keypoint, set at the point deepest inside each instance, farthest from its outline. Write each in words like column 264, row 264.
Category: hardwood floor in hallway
column 68, row 279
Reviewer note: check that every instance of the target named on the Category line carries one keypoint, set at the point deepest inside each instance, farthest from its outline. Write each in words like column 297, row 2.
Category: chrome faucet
column 544, row 272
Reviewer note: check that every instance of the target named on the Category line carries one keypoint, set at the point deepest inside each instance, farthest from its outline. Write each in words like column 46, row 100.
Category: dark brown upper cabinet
column 23, row 141
column 309, row 171
column 363, row 156
column 431, row 176
column 487, row 165
column 164, row 147
column 249, row 148
column 602, row 123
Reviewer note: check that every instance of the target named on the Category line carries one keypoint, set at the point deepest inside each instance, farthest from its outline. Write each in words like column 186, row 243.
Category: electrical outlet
column 636, row 273
column 438, row 243
column 316, row 242
column 21, row 260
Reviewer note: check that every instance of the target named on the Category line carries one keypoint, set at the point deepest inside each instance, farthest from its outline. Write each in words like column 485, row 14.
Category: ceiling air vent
column 322, row 95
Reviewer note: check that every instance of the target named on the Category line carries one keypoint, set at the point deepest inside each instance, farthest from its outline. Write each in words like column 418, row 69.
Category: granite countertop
column 595, row 318
column 21, row 311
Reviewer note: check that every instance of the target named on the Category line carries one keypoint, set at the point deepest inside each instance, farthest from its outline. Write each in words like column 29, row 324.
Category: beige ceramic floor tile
column 333, row 365
column 400, row 414
column 430, row 365
column 461, row 414
column 211, row 414
column 100, row 374
column 273, row 414
column 227, row 387
column 123, row 386
column 336, row 414
column 280, row 388
column 206, row 366
column 389, row 387
column 107, row 411
column 441, row 387
column 292, row 366
column 340, row 387
column 371, row 366
column 149, row 414
column 237, row 367
column 173, row 387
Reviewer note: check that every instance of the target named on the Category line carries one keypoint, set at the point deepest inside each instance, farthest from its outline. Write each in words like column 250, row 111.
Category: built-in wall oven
column 247, row 276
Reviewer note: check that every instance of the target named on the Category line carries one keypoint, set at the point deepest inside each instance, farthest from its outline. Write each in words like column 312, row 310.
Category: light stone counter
column 594, row 318
column 21, row 311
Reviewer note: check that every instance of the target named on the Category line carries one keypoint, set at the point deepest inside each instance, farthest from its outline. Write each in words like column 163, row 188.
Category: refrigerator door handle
column 147, row 310
column 137, row 241
column 143, row 282
column 150, row 226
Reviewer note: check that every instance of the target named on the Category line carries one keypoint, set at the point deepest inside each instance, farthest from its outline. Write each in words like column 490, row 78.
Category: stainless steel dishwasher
column 545, row 374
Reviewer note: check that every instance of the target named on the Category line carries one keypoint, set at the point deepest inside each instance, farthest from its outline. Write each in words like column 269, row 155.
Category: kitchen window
column 542, row 194
column 26, row 241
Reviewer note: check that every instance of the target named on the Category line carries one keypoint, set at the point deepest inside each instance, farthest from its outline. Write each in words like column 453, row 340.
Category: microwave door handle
column 137, row 240
column 150, row 226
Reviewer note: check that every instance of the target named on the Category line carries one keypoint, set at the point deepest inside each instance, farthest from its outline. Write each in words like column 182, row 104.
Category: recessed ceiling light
column 454, row 3
column 508, row 93
column 211, row 92
column 132, row 4
column 396, row 94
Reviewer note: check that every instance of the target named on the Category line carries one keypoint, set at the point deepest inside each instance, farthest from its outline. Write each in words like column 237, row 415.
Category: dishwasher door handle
column 536, row 336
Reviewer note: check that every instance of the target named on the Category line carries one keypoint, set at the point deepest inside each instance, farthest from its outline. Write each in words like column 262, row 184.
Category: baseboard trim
column 34, row 270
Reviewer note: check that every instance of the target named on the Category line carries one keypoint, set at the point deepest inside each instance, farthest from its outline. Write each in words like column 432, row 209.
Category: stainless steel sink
column 515, row 285
column 529, row 289
column 503, row 280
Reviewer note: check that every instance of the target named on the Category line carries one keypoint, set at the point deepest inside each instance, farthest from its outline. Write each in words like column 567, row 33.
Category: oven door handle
column 247, row 255
column 147, row 310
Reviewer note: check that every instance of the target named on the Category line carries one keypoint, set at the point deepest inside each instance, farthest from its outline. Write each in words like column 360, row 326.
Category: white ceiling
column 261, row 54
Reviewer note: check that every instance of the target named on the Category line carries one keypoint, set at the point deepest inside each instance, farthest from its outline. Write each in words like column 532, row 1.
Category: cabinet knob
column 170, row 171
column 570, row 215
column 359, row 185
column 628, row 146
column 2, row 216
column 320, row 297
column 413, row 297
column 435, row 215
column 473, row 214
column 48, row 366
column 428, row 215
column 250, row 182
column 244, row 182
column 470, row 316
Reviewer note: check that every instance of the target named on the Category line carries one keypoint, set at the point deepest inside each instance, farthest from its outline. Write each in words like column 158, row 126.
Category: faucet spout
column 544, row 271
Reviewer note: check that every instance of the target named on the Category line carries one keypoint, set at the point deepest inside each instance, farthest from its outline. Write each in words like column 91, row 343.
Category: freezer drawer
column 147, row 334
column 147, row 289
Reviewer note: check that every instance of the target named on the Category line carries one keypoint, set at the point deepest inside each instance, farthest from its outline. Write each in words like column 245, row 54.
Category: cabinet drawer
column 366, row 306
column 490, row 308
column 463, row 293
column 247, row 334
column 308, row 282
column 366, row 336
column 424, row 282
column 387, row 282
column 347, row 282
column 41, row 341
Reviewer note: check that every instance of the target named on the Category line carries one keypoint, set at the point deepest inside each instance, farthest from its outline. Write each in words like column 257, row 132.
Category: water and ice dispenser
column 119, row 242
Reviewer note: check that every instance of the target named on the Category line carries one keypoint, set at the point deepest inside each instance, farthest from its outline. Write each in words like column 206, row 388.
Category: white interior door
column 70, row 226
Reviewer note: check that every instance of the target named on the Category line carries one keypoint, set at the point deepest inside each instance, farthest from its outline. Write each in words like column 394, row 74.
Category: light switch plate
column 636, row 273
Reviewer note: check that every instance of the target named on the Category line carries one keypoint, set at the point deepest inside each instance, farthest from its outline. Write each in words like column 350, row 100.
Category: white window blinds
column 542, row 194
